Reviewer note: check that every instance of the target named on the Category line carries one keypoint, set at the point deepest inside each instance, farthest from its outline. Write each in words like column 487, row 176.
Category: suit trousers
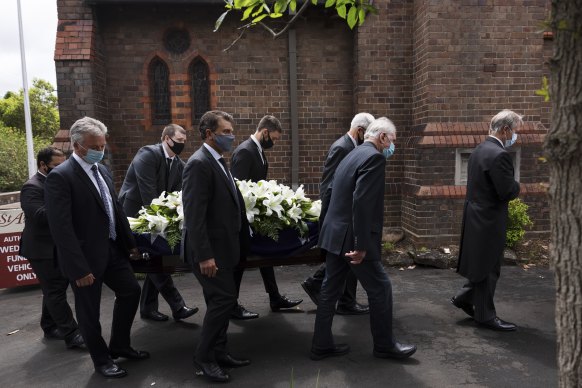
column 375, row 281
column 56, row 312
column 119, row 277
column 348, row 298
column 481, row 295
column 220, row 297
column 159, row 283
column 269, row 280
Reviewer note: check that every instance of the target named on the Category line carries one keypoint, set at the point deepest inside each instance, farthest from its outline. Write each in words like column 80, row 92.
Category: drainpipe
column 292, row 38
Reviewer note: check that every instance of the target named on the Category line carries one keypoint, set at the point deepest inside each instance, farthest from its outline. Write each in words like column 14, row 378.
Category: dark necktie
column 102, row 192
column 168, row 169
column 223, row 162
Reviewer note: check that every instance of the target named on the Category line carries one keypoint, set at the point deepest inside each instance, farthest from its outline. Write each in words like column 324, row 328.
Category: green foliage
column 255, row 11
column 43, row 110
column 13, row 158
column 387, row 247
column 544, row 91
column 518, row 220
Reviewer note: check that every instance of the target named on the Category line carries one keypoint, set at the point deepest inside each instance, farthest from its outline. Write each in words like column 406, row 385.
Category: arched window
column 159, row 77
column 200, row 88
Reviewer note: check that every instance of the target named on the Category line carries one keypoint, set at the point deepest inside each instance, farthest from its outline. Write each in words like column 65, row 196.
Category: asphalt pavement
column 452, row 350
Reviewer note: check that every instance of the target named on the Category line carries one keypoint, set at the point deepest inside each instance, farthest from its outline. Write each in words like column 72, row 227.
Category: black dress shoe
column 111, row 371
column 466, row 307
column 54, row 334
column 211, row 371
column 311, row 290
column 75, row 342
column 129, row 353
column 337, row 350
column 154, row 316
column 240, row 312
column 397, row 351
column 356, row 309
column 227, row 360
column 498, row 324
column 282, row 302
column 184, row 313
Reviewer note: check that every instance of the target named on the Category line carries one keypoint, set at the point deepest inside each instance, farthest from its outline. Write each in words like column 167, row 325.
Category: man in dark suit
column 250, row 163
column 352, row 236
column 490, row 186
column 36, row 244
column 94, row 242
column 155, row 169
column 215, row 227
column 347, row 305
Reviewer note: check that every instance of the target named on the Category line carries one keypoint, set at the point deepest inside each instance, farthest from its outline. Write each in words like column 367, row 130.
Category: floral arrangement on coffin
column 271, row 207
column 164, row 217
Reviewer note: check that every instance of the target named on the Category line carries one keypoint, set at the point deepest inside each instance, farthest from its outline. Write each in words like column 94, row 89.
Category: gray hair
column 378, row 127
column 505, row 118
column 362, row 119
column 86, row 126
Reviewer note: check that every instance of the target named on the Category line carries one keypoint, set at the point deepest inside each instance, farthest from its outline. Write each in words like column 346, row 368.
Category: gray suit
column 354, row 222
column 146, row 178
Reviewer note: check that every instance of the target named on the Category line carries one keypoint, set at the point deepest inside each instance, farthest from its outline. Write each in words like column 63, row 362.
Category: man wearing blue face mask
column 490, row 187
column 352, row 236
column 94, row 244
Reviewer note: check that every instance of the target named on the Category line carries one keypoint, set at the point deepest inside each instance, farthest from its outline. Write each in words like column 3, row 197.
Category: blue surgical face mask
column 224, row 142
column 389, row 151
column 508, row 143
column 92, row 156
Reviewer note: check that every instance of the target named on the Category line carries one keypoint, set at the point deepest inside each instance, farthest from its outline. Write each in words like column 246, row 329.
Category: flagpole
column 27, row 120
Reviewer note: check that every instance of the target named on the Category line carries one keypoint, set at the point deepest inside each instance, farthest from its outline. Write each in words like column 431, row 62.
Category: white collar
column 213, row 152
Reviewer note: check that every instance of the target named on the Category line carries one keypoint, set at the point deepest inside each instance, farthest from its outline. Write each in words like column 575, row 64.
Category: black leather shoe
column 466, row 307
column 311, row 290
column 282, row 302
column 498, row 324
column 184, row 313
column 240, row 312
column 129, row 353
column 111, row 371
column 54, row 334
column 211, row 371
column 154, row 316
column 227, row 360
column 399, row 351
column 356, row 309
column 337, row 350
column 75, row 342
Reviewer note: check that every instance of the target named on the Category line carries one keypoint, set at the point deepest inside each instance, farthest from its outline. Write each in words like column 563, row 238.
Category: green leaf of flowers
column 248, row 11
column 219, row 21
column 352, row 17
column 341, row 11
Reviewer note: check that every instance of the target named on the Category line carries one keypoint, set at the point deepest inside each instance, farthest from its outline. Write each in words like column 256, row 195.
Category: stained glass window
column 159, row 76
column 200, row 88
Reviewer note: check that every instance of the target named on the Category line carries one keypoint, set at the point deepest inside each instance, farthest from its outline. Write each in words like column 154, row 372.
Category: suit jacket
column 246, row 162
column 36, row 241
column 490, row 186
column 146, row 178
column 78, row 220
column 356, row 209
column 337, row 152
column 213, row 212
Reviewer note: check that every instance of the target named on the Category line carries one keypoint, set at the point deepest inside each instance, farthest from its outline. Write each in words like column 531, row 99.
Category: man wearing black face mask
column 154, row 169
column 250, row 163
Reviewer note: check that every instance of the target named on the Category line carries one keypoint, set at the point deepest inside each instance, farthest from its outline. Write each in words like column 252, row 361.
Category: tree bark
column 564, row 150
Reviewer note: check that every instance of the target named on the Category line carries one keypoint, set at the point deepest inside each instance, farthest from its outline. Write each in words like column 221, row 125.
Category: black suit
column 213, row 227
column 354, row 222
column 337, row 152
column 250, row 163
column 36, row 244
column 146, row 178
column 490, row 186
column 80, row 227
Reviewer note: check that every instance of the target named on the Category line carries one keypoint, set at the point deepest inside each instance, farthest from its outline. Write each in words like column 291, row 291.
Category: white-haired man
column 490, row 187
column 347, row 304
column 352, row 236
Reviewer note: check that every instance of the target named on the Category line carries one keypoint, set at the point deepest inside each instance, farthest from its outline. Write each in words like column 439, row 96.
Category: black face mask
column 177, row 147
column 266, row 144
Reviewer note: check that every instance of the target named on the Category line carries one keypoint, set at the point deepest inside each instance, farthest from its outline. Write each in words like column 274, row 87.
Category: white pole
column 27, row 120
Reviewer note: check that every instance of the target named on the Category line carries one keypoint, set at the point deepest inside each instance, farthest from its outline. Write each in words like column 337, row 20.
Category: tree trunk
column 564, row 151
